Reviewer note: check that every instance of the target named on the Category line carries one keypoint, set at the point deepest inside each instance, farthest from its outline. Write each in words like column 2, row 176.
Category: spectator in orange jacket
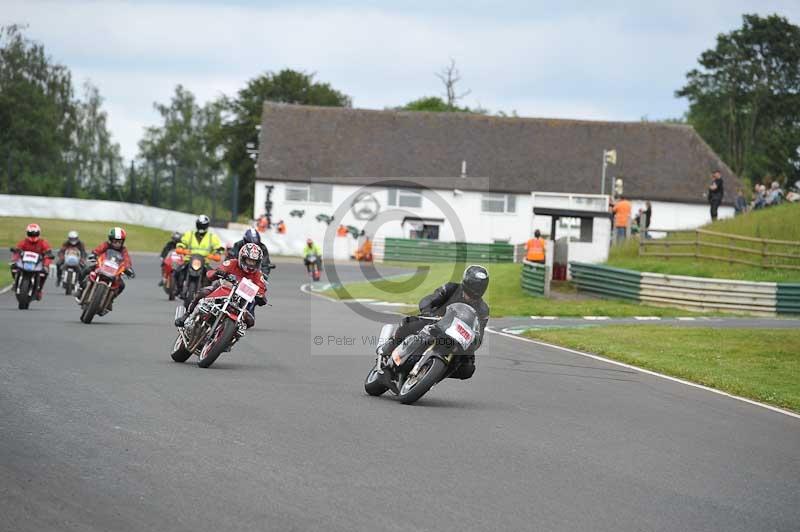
column 622, row 217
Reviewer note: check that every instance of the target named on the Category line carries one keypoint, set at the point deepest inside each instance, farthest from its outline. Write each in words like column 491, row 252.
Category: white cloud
column 611, row 61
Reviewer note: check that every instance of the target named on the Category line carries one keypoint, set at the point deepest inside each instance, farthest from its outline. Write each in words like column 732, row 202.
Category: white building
column 450, row 176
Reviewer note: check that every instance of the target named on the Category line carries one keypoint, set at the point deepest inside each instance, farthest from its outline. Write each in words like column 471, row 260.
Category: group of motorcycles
column 29, row 274
column 217, row 323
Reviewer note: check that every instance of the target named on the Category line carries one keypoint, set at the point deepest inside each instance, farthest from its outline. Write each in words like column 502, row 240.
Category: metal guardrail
column 535, row 279
column 691, row 293
column 412, row 250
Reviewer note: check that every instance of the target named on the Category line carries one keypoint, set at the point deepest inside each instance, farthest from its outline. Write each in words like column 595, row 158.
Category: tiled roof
column 354, row 146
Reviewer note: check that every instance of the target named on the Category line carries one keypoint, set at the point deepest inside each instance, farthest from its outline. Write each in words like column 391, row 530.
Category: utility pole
column 173, row 197
column 132, row 184
column 235, row 198
column 154, row 189
column 609, row 157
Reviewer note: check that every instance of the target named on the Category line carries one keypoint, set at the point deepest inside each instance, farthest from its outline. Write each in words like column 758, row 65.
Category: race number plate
column 460, row 332
column 109, row 267
column 30, row 256
column 247, row 290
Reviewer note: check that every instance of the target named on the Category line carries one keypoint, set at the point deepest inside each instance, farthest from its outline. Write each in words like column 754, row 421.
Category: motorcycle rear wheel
column 222, row 337
column 428, row 375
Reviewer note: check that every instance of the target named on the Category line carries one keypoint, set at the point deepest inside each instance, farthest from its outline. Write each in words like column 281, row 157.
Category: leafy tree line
column 744, row 100
column 52, row 142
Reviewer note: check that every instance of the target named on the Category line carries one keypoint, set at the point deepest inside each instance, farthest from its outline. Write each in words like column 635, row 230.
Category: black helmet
column 202, row 223
column 176, row 236
column 475, row 281
column 251, row 236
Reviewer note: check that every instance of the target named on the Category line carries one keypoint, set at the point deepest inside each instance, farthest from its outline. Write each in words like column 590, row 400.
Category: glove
column 231, row 278
column 130, row 273
column 260, row 301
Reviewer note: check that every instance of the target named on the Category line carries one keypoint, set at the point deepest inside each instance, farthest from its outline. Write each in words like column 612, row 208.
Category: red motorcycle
column 172, row 262
column 102, row 285
column 216, row 323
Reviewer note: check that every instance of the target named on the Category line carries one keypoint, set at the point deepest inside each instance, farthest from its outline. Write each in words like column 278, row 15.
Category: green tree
column 184, row 152
column 745, row 100
column 287, row 86
column 96, row 162
column 37, row 115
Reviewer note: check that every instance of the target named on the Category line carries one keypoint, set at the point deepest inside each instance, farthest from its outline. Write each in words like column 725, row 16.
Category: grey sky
column 594, row 60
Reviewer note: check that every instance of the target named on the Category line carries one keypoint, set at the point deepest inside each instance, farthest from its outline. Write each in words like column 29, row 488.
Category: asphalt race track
column 100, row 430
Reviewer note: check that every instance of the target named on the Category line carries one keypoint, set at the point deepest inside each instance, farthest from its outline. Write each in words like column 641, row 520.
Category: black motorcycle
column 425, row 358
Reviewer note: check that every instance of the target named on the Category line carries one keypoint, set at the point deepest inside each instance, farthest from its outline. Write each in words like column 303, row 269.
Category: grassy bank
column 775, row 223
column 12, row 230
column 504, row 295
column 761, row 364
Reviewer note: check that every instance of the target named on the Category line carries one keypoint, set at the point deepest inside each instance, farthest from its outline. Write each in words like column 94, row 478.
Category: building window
column 314, row 193
column 404, row 197
column 499, row 203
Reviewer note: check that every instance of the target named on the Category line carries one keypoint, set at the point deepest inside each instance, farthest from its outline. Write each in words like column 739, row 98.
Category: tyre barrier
column 535, row 279
column 421, row 250
column 690, row 293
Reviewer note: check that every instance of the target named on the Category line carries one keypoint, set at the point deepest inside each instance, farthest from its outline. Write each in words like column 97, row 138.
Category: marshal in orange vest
column 535, row 248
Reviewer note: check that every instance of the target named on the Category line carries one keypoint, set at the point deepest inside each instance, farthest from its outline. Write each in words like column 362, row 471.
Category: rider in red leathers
column 247, row 265
column 34, row 243
column 116, row 241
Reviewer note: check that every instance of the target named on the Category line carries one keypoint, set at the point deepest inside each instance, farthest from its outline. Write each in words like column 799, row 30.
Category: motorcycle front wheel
column 179, row 351
column 94, row 305
column 415, row 387
column 373, row 384
column 23, row 294
column 220, row 339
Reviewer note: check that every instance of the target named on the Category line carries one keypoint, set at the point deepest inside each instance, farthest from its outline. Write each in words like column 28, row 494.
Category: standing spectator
column 648, row 216
column 715, row 192
column 535, row 248
column 775, row 195
column 741, row 204
column 622, row 217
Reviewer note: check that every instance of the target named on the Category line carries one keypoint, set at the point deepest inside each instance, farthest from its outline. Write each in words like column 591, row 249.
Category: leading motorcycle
column 27, row 270
column 216, row 323
column 424, row 359
column 102, row 284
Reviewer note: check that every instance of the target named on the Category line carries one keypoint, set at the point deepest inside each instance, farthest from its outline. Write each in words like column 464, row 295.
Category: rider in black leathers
column 251, row 236
column 470, row 291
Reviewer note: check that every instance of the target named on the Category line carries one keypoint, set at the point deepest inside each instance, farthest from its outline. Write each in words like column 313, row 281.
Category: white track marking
column 685, row 319
column 5, row 289
column 595, row 318
column 648, row 372
column 543, row 317
column 646, row 318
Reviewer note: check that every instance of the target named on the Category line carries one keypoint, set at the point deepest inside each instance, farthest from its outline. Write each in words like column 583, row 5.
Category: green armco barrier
column 606, row 281
column 413, row 250
column 788, row 298
column 533, row 279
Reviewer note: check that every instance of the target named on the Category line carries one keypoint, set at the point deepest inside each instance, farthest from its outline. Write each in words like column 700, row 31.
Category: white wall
column 99, row 210
column 477, row 226
column 667, row 215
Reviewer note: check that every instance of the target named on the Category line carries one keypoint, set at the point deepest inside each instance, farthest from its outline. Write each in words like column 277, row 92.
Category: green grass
column 761, row 364
column 5, row 277
column 504, row 295
column 140, row 238
column 775, row 223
